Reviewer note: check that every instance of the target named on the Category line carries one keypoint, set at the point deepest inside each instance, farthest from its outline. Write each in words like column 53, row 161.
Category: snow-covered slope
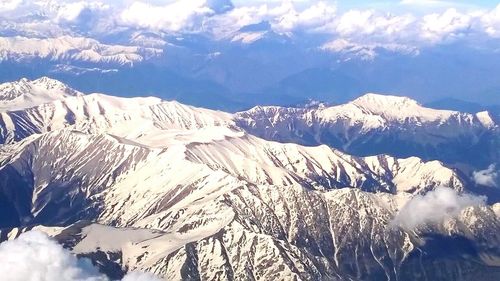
column 24, row 93
column 67, row 48
column 349, row 50
column 227, row 208
column 374, row 124
column 127, row 117
column 112, row 172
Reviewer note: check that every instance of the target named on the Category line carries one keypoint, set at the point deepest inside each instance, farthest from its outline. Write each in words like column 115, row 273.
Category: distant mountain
column 254, row 65
column 68, row 48
column 374, row 124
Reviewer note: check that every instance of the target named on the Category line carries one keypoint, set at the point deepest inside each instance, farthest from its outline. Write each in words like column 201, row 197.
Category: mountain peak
column 26, row 93
column 377, row 100
column 54, row 85
column 399, row 108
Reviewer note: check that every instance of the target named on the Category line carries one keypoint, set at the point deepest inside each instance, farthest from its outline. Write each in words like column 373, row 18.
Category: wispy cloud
column 487, row 177
column 433, row 207
column 9, row 5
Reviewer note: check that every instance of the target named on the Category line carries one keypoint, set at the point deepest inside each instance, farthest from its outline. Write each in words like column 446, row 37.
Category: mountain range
column 379, row 188
column 253, row 66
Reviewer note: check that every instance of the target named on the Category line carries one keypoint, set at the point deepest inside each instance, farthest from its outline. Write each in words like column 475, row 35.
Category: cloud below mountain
column 34, row 256
column 433, row 207
column 487, row 177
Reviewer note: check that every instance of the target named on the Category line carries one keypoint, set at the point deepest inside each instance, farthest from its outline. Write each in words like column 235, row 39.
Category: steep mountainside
column 87, row 170
column 271, row 232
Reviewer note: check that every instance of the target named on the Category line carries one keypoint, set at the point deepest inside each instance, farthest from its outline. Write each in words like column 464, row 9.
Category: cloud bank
column 487, row 177
column 434, row 207
column 35, row 257
column 221, row 18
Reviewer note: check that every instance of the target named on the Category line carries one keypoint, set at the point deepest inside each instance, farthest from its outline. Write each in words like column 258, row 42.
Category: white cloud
column 451, row 23
column 313, row 17
column 487, row 177
column 283, row 16
column 176, row 16
column 491, row 22
column 368, row 22
column 71, row 12
column 222, row 19
column 9, row 5
column 434, row 207
column 33, row 256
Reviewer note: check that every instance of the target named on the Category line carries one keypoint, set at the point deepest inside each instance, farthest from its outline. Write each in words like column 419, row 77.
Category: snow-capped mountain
column 188, row 194
column 72, row 49
column 374, row 124
column 350, row 50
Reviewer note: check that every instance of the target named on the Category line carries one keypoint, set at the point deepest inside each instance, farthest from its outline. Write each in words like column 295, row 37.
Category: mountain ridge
column 374, row 124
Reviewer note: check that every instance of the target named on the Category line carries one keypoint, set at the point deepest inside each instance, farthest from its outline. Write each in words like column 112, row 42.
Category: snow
column 486, row 119
column 51, row 106
column 399, row 108
column 368, row 52
column 110, row 239
column 75, row 48
column 25, row 93
column 248, row 37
